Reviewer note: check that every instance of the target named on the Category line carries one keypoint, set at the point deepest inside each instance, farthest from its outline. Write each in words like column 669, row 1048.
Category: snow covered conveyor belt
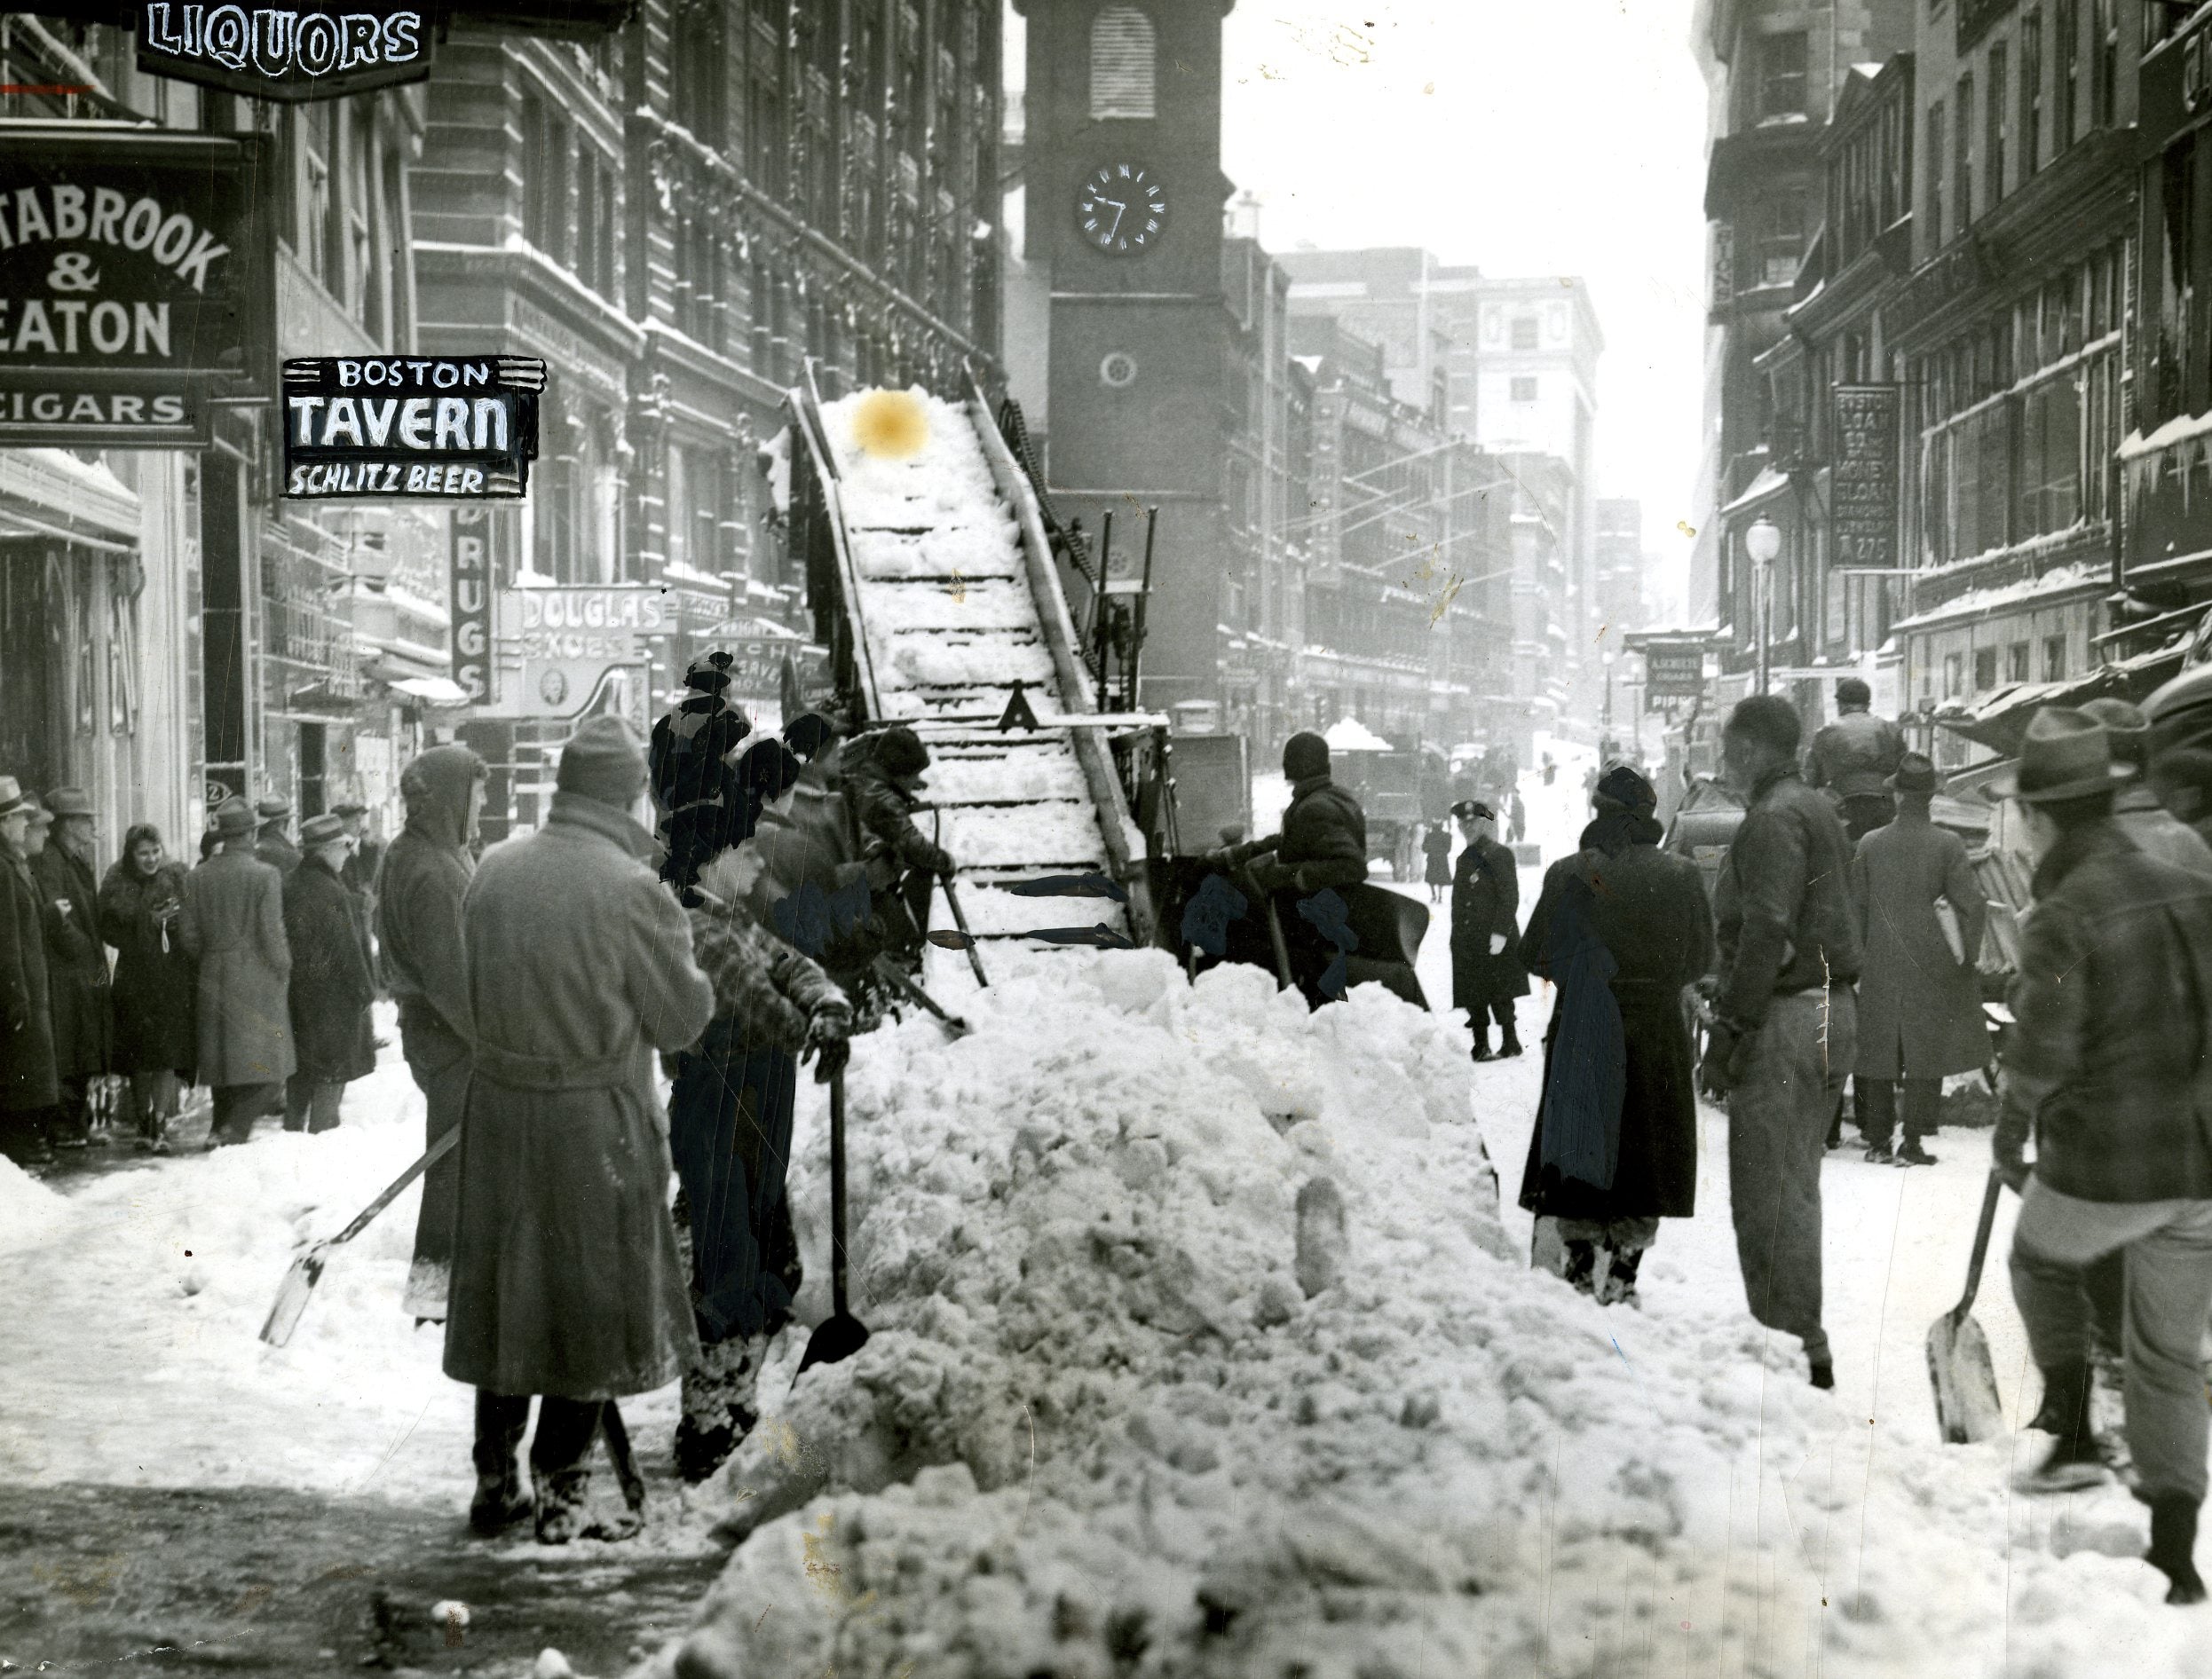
column 956, row 603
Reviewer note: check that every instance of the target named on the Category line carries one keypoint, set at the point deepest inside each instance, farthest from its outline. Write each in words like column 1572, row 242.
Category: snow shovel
column 887, row 971
column 840, row 1335
column 1967, row 1407
column 1275, row 929
column 952, row 901
column 306, row 1272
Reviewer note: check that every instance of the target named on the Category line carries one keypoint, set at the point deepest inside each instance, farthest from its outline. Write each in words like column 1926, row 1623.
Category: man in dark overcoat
column 1615, row 1148
column 28, row 1087
column 2110, row 1071
column 419, row 892
column 1322, row 845
column 566, row 1282
column 1486, row 964
column 77, row 961
column 233, row 926
column 273, row 843
column 1920, row 1016
column 331, row 988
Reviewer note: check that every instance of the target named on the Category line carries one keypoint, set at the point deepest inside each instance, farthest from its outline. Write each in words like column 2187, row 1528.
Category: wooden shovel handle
column 1981, row 1243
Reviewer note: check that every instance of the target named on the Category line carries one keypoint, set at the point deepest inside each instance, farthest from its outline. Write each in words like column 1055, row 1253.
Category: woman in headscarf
column 1621, row 928
column 155, row 1041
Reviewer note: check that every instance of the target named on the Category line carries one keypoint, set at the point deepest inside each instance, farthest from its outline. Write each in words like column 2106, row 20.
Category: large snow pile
column 1101, row 1428
column 28, row 1210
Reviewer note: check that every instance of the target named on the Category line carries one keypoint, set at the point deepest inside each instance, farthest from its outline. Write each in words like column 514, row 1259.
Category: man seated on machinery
column 1323, row 844
column 882, row 775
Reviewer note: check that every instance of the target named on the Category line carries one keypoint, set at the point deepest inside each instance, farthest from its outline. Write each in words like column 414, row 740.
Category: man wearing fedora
column 2109, row 1072
column 28, row 1087
column 232, row 925
column 1919, row 1002
column 331, row 989
column 273, row 844
column 76, row 961
column 1854, row 759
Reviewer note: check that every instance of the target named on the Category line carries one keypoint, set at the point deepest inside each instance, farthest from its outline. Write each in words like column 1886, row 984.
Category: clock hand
column 1120, row 211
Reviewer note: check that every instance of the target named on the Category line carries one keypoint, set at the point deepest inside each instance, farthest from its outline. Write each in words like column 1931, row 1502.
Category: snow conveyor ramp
column 954, row 599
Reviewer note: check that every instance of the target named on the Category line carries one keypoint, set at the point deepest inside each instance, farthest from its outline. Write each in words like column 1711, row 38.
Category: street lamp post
column 1763, row 543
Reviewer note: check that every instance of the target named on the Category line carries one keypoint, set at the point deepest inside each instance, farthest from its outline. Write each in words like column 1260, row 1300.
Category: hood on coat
column 436, row 786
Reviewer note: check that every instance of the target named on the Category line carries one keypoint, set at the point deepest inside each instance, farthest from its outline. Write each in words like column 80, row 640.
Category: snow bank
column 29, row 1211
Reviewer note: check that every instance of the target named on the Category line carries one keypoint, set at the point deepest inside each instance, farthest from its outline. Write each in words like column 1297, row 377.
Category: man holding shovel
column 2108, row 1070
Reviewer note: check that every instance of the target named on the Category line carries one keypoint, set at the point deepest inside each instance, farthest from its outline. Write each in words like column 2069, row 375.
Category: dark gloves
column 2008, row 1148
column 938, row 861
column 1728, row 1051
column 829, row 1040
column 1270, row 876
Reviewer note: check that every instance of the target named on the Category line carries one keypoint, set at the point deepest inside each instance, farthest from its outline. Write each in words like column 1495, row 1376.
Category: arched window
column 1122, row 64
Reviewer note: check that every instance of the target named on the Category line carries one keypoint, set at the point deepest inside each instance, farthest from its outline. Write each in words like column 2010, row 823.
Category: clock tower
column 1123, row 197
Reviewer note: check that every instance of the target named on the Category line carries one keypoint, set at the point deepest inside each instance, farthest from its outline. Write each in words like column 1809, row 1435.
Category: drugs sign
column 411, row 427
column 138, row 284
column 289, row 52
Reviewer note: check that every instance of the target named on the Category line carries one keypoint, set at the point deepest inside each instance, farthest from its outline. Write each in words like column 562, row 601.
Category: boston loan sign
column 135, row 284
column 436, row 427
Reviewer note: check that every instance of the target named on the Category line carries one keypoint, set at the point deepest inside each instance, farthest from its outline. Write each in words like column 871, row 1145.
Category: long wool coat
column 233, row 926
column 1647, row 909
column 1486, row 899
column 565, row 1277
column 331, row 985
column 26, row 1038
column 76, row 964
column 153, row 987
column 1919, row 1009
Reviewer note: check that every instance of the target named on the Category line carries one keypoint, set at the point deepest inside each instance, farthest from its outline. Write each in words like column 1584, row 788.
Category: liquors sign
column 436, row 427
column 136, row 284
column 286, row 52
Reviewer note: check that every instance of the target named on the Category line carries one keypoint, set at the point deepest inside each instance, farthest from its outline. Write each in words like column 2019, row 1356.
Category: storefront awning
column 1999, row 721
column 435, row 690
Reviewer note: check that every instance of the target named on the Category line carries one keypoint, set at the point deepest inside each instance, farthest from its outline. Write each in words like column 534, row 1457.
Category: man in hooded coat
column 232, row 925
column 420, row 886
column 566, row 1279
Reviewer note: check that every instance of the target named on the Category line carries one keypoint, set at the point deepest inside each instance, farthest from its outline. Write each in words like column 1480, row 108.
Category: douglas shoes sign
column 416, row 426
column 309, row 53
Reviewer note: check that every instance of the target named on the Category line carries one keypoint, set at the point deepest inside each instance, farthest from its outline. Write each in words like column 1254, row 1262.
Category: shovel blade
column 292, row 1296
column 1968, row 1409
column 835, row 1339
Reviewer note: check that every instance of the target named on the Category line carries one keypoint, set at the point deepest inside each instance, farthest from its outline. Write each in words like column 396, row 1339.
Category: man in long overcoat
column 1621, row 928
column 419, row 890
column 273, row 844
column 28, row 1087
column 566, row 1282
column 76, row 961
column 1919, row 1007
column 232, row 925
column 331, row 986
column 1486, row 966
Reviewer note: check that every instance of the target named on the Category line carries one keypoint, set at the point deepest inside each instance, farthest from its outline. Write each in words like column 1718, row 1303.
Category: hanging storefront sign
column 470, row 600
column 571, row 639
column 1864, row 482
column 411, row 428
column 1673, row 670
column 291, row 52
column 138, row 284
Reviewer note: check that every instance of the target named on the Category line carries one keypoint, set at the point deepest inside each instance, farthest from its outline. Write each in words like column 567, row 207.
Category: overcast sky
column 1522, row 136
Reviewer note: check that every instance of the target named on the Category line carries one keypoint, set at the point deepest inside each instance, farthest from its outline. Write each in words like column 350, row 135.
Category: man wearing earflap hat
column 1323, row 843
column 565, row 1281
column 2108, row 1070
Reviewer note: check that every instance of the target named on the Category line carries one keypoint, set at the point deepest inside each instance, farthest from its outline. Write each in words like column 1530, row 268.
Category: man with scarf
column 1621, row 928
column 419, row 890
column 1787, row 1025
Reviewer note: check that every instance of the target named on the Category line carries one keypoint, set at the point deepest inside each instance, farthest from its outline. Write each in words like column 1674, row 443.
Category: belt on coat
column 554, row 1072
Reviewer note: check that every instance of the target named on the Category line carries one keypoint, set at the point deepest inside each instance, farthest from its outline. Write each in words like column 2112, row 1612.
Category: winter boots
column 719, row 1404
column 1511, row 1047
column 2173, row 1548
column 500, row 1501
column 2074, row 1462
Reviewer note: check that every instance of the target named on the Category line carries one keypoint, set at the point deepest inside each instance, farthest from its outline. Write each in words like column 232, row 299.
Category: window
column 1121, row 64
column 2173, row 331
column 1774, row 254
column 1954, row 674
column 1936, row 165
column 594, row 221
column 1524, row 332
column 765, row 122
column 1524, row 390
column 2104, row 59
column 2066, row 25
column 545, row 159
column 1962, row 152
column 1995, row 112
column 1781, row 76
column 2016, row 663
column 2031, row 93
column 2050, row 458
column 1985, row 669
column 123, row 663
column 697, row 101
column 2054, row 658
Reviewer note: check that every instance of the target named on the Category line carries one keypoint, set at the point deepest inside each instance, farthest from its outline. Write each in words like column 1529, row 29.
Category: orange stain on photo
column 891, row 424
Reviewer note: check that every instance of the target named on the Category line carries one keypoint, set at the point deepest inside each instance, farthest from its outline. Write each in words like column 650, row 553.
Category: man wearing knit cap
column 1323, row 844
column 1855, row 757
column 882, row 775
column 565, row 1277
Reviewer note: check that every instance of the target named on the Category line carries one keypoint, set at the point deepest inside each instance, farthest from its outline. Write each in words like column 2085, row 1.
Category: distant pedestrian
column 233, row 926
column 420, row 889
column 359, row 873
column 1621, row 928
column 1920, row 1016
column 1486, row 973
column 1436, row 849
column 29, row 1087
column 140, row 902
column 566, row 1279
column 1550, row 770
column 2106, row 1072
column 273, row 844
column 76, row 962
column 1518, row 815
column 1785, row 1030
column 2180, row 715
column 2136, row 808
column 1854, row 759
column 331, row 989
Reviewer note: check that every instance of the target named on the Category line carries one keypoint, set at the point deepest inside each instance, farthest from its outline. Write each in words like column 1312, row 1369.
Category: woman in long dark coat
column 1621, row 928
column 1486, row 973
column 139, row 901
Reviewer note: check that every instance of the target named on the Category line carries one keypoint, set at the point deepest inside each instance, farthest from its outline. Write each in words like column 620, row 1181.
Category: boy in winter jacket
column 882, row 775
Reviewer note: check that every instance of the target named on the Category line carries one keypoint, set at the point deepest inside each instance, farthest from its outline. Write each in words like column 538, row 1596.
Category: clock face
column 1122, row 209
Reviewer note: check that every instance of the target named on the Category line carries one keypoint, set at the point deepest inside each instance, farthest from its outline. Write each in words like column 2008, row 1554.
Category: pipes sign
column 414, row 427
column 314, row 52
